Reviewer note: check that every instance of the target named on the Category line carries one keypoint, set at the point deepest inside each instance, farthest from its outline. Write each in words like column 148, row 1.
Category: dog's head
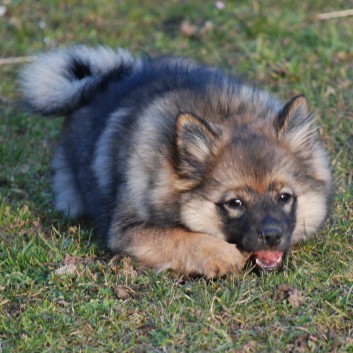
column 258, row 184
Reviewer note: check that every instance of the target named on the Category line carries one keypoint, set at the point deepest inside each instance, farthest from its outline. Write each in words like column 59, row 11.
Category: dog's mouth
column 268, row 260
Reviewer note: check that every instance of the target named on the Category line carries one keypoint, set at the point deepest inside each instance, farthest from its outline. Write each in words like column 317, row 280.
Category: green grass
column 104, row 304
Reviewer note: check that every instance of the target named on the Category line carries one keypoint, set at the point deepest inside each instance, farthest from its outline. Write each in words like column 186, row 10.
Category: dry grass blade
column 16, row 60
column 335, row 14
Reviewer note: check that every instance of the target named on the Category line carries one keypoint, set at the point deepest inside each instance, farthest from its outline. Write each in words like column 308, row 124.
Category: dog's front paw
column 183, row 251
column 214, row 257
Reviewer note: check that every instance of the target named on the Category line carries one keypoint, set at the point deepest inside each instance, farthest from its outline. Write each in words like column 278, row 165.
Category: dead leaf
column 301, row 344
column 37, row 223
column 247, row 348
column 121, row 292
column 72, row 229
column 295, row 298
column 208, row 26
column 292, row 295
column 66, row 270
column 220, row 5
column 281, row 292
column 187, row 29
column 71, row 260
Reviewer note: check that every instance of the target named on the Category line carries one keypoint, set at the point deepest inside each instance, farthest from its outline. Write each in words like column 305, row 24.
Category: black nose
column 271, row 235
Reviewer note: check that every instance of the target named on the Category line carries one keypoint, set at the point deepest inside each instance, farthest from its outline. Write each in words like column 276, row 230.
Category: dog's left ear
column 195, row 140
column 295, row 124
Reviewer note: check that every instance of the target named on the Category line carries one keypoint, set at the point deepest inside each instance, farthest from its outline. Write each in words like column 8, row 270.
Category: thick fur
column 177, row 162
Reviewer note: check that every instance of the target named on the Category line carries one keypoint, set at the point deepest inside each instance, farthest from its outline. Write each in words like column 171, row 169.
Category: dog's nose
column 271, row 235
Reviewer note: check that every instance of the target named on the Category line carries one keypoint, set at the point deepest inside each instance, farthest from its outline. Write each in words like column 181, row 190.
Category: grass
column 60, row 292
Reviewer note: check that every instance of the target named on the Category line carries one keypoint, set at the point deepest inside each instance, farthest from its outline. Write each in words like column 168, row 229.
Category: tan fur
column 184, row 251
column 206, row 221
column 311, row 211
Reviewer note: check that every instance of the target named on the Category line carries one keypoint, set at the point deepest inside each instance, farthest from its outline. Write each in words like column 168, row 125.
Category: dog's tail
column 59, row 82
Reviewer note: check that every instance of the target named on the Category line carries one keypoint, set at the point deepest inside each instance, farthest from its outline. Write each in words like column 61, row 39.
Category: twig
column 15, row 60
column 335, row 14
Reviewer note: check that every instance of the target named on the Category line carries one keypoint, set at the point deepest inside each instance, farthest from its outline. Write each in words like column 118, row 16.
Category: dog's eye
column 285, row 197
column 234, row 203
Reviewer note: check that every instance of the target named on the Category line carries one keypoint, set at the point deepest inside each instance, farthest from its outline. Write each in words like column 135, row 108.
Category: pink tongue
column 268, row 259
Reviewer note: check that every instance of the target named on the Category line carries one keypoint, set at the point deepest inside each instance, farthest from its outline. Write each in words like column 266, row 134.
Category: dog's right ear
column 295, row 125
column 194, row 140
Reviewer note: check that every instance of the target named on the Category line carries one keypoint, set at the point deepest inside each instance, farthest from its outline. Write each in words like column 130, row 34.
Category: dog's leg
column 181, row 250
column 67, row 198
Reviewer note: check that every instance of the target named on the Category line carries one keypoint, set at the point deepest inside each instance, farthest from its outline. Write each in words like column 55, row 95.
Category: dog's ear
column 194, row 141
column 295, row 124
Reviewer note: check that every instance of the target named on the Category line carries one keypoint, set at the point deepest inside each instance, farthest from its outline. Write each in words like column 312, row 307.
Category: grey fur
column 48, row 85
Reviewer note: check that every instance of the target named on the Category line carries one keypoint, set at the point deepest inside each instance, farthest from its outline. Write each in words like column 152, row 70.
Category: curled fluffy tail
column 59, row 82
